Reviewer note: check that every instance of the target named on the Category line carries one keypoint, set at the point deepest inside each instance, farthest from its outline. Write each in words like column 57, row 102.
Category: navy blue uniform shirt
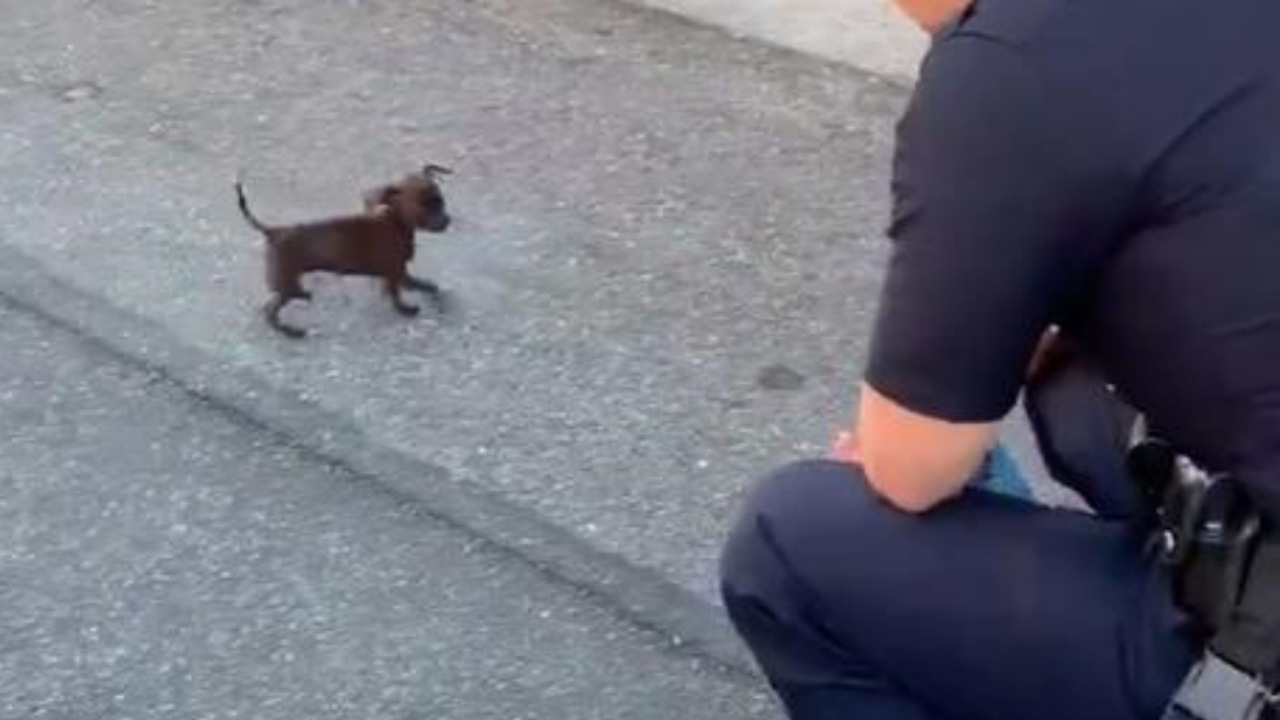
column 1112, row 166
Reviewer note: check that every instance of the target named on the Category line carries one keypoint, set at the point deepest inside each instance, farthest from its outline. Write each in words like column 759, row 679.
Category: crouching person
column 1057, row 166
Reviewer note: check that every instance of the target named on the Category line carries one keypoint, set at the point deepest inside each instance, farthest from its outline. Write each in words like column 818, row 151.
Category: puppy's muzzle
column 438, row 223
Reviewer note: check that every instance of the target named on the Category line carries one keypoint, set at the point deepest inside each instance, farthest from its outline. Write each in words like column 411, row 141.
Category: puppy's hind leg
column 271, row 312
column 285, row 284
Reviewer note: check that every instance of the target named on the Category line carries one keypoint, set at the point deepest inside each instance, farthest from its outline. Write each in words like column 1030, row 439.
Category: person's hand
column 845, row 448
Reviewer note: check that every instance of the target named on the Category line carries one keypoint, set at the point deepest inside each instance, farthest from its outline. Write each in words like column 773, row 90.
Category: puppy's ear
column 432, row 170
column 384, row 195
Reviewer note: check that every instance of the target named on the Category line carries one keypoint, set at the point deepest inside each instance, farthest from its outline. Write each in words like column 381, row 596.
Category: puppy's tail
column 247, row 213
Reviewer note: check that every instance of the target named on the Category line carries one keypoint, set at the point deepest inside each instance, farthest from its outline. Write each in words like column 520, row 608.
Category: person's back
column 1151, row 136
column 1185, row 314
column 1109, row 166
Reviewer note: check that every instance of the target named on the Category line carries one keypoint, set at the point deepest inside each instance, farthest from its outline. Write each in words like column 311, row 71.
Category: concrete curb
column 870, row 35
column 688, row 623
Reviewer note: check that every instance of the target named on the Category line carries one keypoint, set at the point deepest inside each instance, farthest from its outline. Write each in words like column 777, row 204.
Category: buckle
column 1217, row 690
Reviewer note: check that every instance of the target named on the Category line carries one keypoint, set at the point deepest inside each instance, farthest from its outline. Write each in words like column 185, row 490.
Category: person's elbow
column 908, row 485
column 915, row 461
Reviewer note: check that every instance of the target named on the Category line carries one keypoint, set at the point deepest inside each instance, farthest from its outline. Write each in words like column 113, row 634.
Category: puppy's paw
column 271, row 314
column 408, row 310
column 291, row 332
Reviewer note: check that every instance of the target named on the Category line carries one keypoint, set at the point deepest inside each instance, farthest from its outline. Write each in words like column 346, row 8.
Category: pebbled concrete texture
column 665, row 258
column 160, row 559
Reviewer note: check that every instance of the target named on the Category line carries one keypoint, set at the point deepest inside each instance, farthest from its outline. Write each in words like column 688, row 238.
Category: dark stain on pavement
column 779, row 377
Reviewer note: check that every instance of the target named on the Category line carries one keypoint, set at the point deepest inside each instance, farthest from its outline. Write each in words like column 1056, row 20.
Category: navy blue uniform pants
column 987, row 608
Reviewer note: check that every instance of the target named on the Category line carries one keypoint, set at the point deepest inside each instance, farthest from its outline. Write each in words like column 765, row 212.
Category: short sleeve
column 1002, row 205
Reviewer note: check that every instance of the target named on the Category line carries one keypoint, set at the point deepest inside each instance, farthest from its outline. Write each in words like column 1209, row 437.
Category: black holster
column 1225, row 561
column 1223, row 555
column 1205, row 530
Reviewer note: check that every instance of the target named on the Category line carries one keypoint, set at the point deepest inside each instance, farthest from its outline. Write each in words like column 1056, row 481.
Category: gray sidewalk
column 161, row 559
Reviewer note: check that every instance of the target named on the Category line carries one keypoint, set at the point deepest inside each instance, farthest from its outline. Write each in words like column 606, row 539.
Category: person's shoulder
column 1065, row 66
column 1055, row 36
column 1005, row 42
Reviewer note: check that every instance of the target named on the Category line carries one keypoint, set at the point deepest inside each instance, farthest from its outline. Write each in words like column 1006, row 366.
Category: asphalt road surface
column 159, row 559
column 666, row 253
column 653, row 220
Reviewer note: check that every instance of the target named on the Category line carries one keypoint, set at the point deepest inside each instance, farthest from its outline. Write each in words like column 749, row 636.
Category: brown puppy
column 378, row 243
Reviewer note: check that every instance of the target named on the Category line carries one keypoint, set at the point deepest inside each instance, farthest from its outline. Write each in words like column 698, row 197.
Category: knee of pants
column 789, row 519
column 770, row 555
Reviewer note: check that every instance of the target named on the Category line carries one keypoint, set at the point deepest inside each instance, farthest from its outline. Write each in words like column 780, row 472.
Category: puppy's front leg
column 428, row 288
column 392, row 287
column 421, row 285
